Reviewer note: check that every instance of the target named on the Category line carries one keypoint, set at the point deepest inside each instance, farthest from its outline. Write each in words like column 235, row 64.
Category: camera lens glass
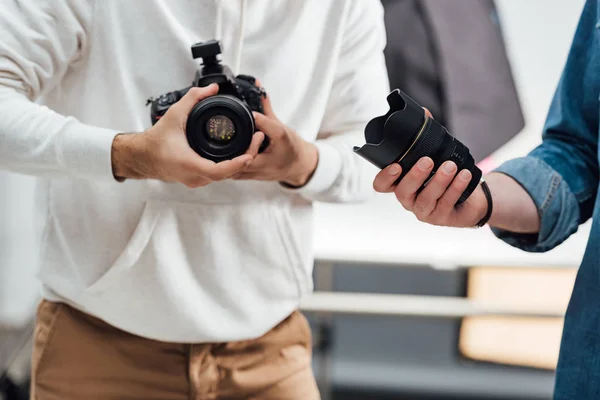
column 220, row 129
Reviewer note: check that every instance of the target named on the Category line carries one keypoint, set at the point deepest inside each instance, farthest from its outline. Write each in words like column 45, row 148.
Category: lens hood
column 405, row 134
column 390, row 136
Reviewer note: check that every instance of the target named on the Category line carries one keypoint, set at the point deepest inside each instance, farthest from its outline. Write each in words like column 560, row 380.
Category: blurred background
column 403, row 310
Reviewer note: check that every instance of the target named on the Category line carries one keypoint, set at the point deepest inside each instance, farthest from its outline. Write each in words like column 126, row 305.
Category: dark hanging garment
column 450, row 57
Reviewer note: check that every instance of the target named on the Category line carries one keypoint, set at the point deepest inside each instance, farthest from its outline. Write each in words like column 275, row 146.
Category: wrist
column 496, row 184
column 304, row 167
column 126, row 153
column 482, row 205
column 514, row 209
column 485, row 212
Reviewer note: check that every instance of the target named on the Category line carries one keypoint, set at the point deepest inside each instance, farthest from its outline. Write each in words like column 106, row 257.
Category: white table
column 382, row 232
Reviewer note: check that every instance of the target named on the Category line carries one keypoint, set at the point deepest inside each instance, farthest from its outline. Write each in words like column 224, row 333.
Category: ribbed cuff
column 325, row 175
column 85, row 151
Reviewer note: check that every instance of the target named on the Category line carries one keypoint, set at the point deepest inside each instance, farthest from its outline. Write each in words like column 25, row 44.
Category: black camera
column 219, row 127
column 405, row 134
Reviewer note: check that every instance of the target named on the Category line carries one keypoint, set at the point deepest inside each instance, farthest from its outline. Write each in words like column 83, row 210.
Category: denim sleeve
column 561, row 174
column 556, row 204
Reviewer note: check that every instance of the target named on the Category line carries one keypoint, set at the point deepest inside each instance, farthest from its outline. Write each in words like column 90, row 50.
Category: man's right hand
column 435, row 204
column 162, row 152
column 513, row 210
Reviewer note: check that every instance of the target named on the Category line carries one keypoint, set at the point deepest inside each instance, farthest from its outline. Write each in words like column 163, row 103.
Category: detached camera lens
column 405, row 134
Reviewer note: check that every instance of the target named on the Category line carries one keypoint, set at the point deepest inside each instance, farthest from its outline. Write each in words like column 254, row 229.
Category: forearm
column 340, row 176
column 513, row 208
column 354, row 176
column 303, row 169
column 129, row 157
column 38, row 141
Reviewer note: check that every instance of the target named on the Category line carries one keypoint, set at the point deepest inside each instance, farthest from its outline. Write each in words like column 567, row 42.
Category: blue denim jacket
column 562, row 176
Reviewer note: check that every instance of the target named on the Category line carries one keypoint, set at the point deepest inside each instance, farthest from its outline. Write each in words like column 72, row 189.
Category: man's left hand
column 289, row 159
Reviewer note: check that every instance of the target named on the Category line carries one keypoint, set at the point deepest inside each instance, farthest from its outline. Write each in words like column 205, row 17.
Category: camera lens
column 405, row 134
column 220, row 129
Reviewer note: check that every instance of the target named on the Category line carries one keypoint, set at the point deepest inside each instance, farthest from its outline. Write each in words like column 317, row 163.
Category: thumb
column 266, row 101
column 194, row 96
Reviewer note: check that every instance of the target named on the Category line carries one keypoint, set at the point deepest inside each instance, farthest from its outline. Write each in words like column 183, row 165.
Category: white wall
column 538, row 35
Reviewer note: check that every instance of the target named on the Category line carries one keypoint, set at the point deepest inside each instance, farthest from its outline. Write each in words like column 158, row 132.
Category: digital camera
column 406, row 134
column 219, row 127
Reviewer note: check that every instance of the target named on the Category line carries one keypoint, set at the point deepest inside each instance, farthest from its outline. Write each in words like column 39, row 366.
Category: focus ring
column 476, row 177
column 467, row 163
column 427, row 144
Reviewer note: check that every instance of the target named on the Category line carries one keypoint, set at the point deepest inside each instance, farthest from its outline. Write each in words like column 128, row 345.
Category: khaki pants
column 77, row 357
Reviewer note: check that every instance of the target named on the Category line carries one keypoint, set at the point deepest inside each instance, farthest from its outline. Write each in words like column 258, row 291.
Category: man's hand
column 513, row 210
column 163, row 153
column 288, row 159
column 435, row 204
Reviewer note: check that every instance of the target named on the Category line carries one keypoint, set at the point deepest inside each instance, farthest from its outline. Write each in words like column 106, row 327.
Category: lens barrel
column 234, row 110
column 405, row 134
column 435, row 142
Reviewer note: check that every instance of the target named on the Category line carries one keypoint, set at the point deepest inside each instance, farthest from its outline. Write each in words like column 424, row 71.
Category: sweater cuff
column 86, row 151
column 327, row 171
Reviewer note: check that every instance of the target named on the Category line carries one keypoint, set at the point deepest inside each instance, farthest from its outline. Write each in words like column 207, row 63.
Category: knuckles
column 422, row 204
column 421, row 211
column 405, row 199
column 443, row 202
column 378, row 187
column 383, row 185
column 197, row 92
column 280, row 133
column 421, row 217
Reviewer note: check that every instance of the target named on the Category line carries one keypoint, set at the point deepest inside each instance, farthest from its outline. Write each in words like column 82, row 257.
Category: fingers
column 257, row 168
column 385, row 180
column 251, row 175
column 427, row 200
column 446, row 203
column 271, row 127
column 221, row 170
column 193, row 96
column 257, row 160
column 210, row 171
column 267, row 106
column 227, row 168
column 257, row 140
column 414, row 179
column 197, row 182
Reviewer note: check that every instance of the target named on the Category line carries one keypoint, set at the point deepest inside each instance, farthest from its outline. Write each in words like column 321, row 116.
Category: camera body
column 219, row 127
column 405, row 134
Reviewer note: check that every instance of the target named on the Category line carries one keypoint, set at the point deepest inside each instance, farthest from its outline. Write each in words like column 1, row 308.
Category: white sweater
column 220, row 263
